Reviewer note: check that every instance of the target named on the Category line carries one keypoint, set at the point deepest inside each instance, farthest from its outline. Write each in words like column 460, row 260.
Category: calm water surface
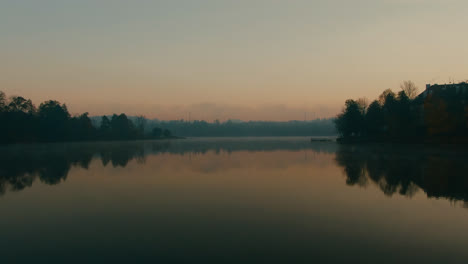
column 251, row 200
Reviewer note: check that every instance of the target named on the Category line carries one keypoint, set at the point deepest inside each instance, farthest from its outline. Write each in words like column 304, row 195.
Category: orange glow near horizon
column 247, row 60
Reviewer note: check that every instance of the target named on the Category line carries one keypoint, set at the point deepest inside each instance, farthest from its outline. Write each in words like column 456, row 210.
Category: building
column 446, row 90
column 449, row 98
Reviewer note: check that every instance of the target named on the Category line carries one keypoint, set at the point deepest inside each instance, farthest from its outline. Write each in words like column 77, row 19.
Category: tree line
column 236, row 128
column 438, row 116
column 23, row 122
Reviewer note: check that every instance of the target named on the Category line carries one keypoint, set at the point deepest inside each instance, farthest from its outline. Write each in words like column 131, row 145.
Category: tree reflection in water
column 441, row 172
column 438, row 171
column 22, row 165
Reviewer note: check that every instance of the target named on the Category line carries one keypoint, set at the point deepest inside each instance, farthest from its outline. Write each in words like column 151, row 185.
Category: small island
column 437, row 115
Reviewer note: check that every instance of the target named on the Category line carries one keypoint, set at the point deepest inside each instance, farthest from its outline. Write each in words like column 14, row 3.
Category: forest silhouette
column 236, row 128
column 436, row 115
column 51, row 122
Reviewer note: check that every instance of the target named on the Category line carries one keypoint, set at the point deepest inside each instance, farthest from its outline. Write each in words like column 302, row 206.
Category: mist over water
column 221, row 131
column 233, row 200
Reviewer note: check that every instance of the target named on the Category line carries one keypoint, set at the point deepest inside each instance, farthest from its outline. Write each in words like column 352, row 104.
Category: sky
column 218, row 59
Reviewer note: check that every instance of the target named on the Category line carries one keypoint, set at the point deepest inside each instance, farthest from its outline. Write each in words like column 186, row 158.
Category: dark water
column 257, row 200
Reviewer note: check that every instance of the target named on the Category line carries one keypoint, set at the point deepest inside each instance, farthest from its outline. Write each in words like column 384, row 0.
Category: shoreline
column 434, row 141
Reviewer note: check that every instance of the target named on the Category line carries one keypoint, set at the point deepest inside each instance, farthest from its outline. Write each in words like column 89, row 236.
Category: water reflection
column 440, row 172
column 234, row 200
column 22, row 165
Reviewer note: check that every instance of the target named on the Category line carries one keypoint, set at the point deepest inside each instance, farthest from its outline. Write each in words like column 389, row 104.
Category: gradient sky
column 243, row 59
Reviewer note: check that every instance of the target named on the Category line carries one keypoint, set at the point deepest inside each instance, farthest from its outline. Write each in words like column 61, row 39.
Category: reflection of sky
column 166, row 58
column 281, row 204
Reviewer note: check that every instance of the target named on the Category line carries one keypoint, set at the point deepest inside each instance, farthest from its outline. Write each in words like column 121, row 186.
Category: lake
column 233, row 200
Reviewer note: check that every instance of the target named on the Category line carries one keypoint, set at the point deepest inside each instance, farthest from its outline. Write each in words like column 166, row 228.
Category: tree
column 363, row 103
column 167, row 133
column 19, row 115
column 156, row 132
column 350, row 122
column 374, row 119
column 81, row 128
column 3, row 120
column 466, row 117
column 410, row 89
column 383, row 96
column 105, row 128
column 19, row 104
column 54, row 110
column 2, row 101
column 390, row 110
column 140, row 123
column 404, row 121
column 403, row 97
column 54, row 119
column 122, row 127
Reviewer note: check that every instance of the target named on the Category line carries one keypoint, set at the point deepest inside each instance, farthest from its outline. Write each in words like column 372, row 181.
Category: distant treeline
column 319, row 127
column 439, row 114
column 51, row 122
